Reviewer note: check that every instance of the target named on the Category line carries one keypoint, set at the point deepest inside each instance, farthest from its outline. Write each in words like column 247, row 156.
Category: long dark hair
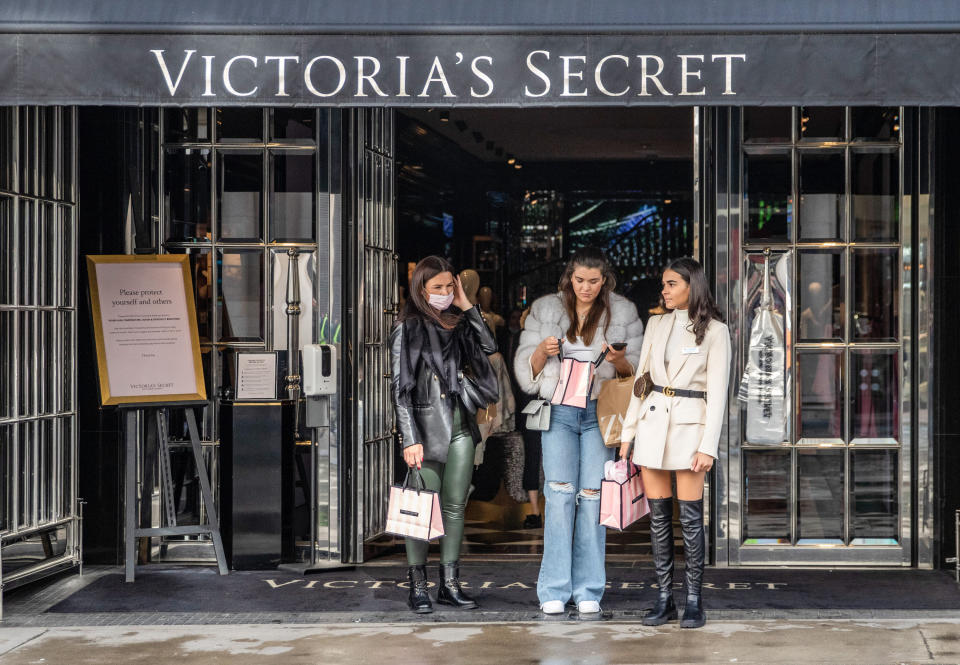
column 587, row 257
column 417, row 304
column 701, row 306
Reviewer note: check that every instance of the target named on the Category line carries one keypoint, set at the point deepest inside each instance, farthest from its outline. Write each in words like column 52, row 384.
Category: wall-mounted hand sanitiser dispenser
column 319, row 369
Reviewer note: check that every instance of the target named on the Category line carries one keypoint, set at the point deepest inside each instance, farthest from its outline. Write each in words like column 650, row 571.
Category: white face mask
column 439, row 302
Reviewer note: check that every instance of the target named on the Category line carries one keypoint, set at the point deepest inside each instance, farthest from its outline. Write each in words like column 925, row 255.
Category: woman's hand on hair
column 701, row 462
column 459, row 295
column 413, row 455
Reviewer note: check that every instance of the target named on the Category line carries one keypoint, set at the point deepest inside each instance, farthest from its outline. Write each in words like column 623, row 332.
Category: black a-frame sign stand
column 132, row 530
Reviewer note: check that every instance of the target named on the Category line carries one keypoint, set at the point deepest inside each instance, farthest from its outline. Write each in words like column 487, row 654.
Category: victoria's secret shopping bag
column 414, row 513
column 576, row 381
column 623, row 502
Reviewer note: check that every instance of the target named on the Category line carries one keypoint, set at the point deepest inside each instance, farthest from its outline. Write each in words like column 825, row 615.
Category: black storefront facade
column 232, row 138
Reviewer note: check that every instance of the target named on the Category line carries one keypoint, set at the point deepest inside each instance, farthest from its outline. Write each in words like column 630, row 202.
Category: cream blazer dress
column 669, row 431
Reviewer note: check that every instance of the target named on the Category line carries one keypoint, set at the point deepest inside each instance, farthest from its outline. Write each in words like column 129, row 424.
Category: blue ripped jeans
column 574, row 543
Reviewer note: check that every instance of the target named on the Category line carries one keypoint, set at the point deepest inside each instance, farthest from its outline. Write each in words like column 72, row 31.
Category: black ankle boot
column 661, row 542
column 691, row 521
column 449, row 591
column 418, row 599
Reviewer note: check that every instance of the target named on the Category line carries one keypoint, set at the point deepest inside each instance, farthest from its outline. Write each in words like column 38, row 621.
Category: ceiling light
column 510, row 158
column 518, row 166
column 444, row 116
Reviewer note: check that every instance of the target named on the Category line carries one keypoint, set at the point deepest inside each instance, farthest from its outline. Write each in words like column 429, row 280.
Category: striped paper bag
column 414, row 512
column 623, row 503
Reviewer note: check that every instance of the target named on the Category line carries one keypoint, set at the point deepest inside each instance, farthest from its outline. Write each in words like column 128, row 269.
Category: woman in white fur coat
column 585, row 318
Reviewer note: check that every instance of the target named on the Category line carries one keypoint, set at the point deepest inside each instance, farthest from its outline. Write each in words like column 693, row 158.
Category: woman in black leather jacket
column 438, row 334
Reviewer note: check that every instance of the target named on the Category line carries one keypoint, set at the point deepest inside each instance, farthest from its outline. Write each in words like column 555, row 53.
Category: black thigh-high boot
column 449, row 591
column 418, row 598
column 691, row 521
column 661, row 542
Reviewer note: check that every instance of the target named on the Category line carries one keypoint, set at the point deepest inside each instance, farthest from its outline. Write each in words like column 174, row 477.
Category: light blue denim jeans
column 574, row 543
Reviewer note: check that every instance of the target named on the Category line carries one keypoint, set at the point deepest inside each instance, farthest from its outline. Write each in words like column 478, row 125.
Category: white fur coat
column 549, row 318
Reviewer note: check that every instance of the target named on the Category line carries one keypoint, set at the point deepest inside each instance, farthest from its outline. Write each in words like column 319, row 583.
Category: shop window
column 48, row 171
column 8, row 359
column 239, row 125
column 28, row 252
column 186, row 125
column 767, row 124
column 820, row 497
column 875, row 180
column 293, row 124
column 240, row 195
column 187, row 194
column 201, row 276
column 8, row 148
column 8, row 251
column 49, row 255
column 875, row 123
column 874, row 497
column 822, row 199
column 822, row 123
column 307, row 269
column 820, row 375
column 876, row 276
column 767, row 484
column 875, row 396
column 769, row 192
column 821, row 306
column 66, row 236
column 240, row 295
column 27, row 136
column 293, row 196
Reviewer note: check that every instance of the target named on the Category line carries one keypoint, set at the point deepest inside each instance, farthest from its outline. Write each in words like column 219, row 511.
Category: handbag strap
column 416, row 474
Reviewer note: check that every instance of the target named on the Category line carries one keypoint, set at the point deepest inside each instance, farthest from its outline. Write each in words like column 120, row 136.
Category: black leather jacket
column 429, row 419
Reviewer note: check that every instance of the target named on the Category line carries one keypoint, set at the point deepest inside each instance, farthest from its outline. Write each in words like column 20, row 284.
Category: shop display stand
column 132, row 416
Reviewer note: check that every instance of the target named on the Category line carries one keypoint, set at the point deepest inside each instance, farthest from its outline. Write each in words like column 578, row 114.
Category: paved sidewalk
column 545, row 642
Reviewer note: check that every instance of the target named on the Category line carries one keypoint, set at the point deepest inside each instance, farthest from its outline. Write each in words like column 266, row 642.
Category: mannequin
column 470, row 280
column 485, row 299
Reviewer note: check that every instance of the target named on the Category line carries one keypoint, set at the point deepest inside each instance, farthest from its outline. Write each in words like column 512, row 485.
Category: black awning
column 519, row 53
column 485, row 16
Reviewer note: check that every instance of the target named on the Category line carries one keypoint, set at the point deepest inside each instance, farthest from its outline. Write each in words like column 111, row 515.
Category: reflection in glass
column 875, row 181
column 8, row 356
column 8, row 248
column 26, row 399
column 875, row 387
column 768, row 191
column 8, row 147
column 201, row 274
column 240, row 295
column 294, row 124
column 66, row 154
column 47, row 357
column 821, row 123
column 66, row 236
column 47, row 475
column 821, row 295
column 767, row 124
column 820, row 496
column 186, row 195
column 821, row 195
column 26, row 435
column 28, row 252
column 28, row 153
column 292, row 196
column 875, row 288
column 307, row 267
column 873, row 496
column 876, row 123
column 240, row 194
column 50, row 259
column 821, row 394
column 182, row 125
column 6, row 472
column 65, row 328
column 766, row 482
column 47, row 135
column 236, row 125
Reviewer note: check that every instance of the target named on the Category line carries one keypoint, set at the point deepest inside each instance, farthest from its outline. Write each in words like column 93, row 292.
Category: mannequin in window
column 471, row 283
column 485, row 299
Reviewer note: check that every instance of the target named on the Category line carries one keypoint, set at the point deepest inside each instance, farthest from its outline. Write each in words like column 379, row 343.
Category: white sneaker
column 553, row 607
column 588, row 607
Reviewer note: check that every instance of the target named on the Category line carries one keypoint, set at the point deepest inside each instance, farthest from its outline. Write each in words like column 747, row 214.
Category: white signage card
column 147, row 331
column 256, row 376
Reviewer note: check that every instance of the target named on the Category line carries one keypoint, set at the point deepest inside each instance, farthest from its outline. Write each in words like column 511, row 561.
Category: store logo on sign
column 544, row 74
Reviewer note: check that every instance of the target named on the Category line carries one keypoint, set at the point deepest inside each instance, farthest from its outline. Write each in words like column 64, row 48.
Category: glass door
column 821, row 189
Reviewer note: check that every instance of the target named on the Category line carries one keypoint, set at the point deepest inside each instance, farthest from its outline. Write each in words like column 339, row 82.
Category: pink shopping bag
column 414, row 513
column 623, row 503
column 576, row 381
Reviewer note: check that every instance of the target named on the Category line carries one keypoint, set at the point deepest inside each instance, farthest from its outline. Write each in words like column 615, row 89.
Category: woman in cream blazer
column 676, row 428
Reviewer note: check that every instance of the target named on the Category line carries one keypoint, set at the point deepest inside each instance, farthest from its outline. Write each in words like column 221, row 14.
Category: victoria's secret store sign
column 448, row 77
column 480, row 70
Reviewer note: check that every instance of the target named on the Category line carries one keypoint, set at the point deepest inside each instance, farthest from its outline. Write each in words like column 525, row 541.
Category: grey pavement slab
column 547, row 643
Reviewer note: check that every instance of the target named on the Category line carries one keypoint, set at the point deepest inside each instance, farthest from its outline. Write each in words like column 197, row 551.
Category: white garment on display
column 306, row 265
